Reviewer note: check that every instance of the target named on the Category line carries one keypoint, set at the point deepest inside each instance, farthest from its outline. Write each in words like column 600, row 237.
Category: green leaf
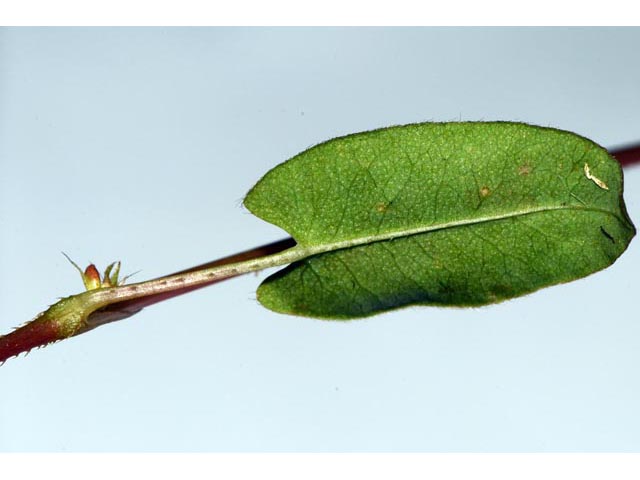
column 458, row 214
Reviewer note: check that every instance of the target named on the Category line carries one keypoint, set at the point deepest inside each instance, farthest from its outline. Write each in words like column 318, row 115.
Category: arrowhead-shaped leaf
column 458, row 214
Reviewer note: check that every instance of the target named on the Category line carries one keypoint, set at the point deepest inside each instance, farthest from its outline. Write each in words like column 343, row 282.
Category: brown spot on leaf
column 485, row 192
column 524, row 169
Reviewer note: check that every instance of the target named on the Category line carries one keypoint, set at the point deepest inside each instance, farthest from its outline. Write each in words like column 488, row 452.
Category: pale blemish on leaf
column 382, row 207
column 593, row 178
column 485, row 192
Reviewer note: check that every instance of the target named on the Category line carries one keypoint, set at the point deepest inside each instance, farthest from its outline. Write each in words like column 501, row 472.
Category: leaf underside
column 450, row 214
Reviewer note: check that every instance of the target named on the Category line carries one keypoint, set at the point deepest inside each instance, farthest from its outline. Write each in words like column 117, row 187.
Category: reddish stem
column 628, row 155
column 257, row 252
column 36, row 333
column 42, row 331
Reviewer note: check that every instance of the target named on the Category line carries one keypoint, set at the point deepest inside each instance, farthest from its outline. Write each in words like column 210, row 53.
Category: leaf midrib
column 369, row 239
column 298, row 253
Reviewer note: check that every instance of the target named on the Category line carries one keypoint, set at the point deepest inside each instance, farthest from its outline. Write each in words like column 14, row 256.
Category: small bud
column 91, row 278
column 91, row 275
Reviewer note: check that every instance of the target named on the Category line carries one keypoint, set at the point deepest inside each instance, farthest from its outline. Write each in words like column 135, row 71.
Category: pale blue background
column 139, row 144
